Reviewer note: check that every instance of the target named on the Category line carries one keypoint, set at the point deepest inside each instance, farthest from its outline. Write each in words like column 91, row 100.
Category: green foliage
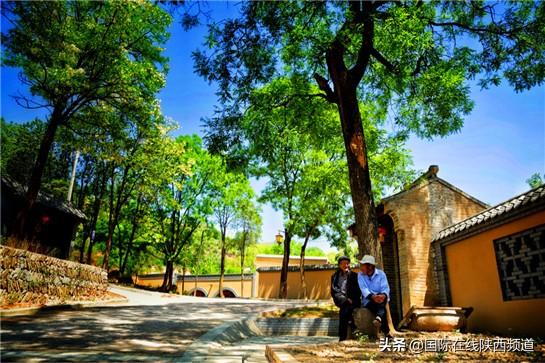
column 86, row 51
column 275, row 249
column 295, row 142
column 181, row 193
column 270, row 248
column 83, row 59
column 18, row 148
column 19, row 152
column 409, row 61
column 424, row 52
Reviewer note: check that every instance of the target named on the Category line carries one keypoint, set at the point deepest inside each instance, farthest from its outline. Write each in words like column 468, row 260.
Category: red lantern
column 45, row 219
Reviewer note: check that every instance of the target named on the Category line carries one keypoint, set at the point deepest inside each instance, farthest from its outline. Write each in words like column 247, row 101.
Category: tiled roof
column 506, row 208
column 279, row 257
column 43, row 198
column 296, row 268
column 192, row 278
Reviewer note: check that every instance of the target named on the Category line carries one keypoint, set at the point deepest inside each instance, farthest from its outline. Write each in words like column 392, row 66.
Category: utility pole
column 73, row 177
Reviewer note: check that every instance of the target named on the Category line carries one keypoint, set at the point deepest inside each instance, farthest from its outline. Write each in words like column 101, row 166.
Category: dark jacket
column 352, row 289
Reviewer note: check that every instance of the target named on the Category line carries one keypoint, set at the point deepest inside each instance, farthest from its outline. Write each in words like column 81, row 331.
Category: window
column 521, row 264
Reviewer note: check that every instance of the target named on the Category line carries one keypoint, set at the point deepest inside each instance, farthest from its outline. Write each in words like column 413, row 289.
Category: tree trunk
column 302, row 273
column 302, row 263
column 283, row 293
column 196, row 266
column 135, row 220
column 81, row 198
column 125, row 258
column 82, row 192
column 99, row 193
column 111, row 225
column 24, row 231
column 222, row 263
column 115, row 210
column 167, row 278
column 356, row 153
column 183, row 280
column 109, row 239
column 242, row 253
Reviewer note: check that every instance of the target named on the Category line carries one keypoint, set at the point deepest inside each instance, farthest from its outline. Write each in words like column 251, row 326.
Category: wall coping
column 296, row 268
column 192, row 278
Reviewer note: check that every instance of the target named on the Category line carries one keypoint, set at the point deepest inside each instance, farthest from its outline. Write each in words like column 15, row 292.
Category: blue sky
column 500, row 146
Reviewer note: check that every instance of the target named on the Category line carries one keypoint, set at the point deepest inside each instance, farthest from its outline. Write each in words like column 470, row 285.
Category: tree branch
column 323, row 84
column 476, row 29
column 385, row 62
column 364, row 53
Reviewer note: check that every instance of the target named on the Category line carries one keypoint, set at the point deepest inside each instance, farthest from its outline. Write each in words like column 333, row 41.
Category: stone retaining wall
column 298, row 326
column 31, row 278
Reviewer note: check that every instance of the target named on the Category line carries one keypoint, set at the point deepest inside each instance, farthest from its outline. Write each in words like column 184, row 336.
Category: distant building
column 55, row 222
column 494, row 262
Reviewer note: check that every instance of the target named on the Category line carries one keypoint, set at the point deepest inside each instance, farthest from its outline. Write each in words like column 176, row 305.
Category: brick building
column 409, row 220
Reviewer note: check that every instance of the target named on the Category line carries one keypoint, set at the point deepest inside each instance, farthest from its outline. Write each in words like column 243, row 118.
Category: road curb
column 136, row 290
column 231, row 332
column 215, row 338
column 60, row 307
column 276, row 354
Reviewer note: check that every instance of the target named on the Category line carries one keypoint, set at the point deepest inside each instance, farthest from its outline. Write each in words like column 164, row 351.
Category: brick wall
column 418, row 214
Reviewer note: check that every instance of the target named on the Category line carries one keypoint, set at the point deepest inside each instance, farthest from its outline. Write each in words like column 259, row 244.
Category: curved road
column 150, row 327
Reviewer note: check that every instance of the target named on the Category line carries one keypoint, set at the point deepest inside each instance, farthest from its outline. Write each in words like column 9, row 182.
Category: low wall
column 31, row 278
column 317, row 278
column 207, row 284
column 298, row 326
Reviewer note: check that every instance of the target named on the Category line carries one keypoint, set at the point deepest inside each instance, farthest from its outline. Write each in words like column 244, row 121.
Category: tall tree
column 133, row 155
column 230, row 192
column 182, row 201
column 249, row 225
column 324, row 181
column 79, row 54
column 290, row 139
column 412, row 58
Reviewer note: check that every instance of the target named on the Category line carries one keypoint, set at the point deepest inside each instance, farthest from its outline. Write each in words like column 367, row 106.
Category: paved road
column 150, row 327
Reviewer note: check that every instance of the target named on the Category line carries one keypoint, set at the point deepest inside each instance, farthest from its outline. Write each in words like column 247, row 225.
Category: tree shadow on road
column 132, row 333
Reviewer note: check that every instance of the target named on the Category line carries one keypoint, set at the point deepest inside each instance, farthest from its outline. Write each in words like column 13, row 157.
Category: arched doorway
column 390, row 260
column 227, row 292
column 199, row 292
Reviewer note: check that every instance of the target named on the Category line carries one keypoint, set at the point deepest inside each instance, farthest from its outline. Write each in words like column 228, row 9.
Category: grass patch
column 322, row 311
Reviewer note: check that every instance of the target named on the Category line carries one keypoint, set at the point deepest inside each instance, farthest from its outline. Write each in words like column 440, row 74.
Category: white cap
column 368, row 259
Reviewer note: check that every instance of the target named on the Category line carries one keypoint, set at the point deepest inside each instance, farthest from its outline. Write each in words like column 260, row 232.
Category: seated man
column 346, row 295
column 375, row 291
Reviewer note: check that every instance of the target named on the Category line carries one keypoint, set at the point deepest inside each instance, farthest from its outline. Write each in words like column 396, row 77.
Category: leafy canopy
column 422, row 56
column 75, row 54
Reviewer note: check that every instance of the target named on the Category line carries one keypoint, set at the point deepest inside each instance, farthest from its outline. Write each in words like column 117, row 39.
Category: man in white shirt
column 375, row 291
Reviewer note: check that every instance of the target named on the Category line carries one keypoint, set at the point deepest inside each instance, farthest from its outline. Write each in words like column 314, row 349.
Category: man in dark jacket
column 346, row 295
